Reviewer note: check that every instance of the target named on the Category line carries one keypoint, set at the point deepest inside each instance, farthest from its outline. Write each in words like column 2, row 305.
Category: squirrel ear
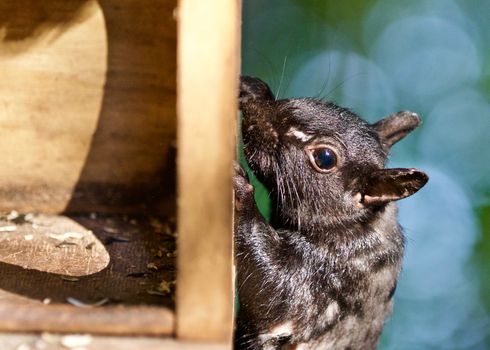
column 386, row 185
column 395, row 127
column 254, row 89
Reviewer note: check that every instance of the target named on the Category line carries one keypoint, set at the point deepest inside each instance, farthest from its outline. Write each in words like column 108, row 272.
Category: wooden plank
column 208, row 66
column 87, row 104
column 112, row 320
column 55, row 342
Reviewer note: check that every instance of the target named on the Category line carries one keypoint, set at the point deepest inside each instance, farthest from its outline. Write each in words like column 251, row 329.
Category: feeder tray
column 117, row 132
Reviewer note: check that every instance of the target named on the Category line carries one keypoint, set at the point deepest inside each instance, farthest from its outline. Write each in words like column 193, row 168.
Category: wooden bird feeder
column 117, row 129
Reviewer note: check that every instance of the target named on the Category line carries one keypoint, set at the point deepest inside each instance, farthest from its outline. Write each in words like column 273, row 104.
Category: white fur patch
column 357, row 199
column 299, row 135
column 332, row 311
column 360, row 263
column 281, row 330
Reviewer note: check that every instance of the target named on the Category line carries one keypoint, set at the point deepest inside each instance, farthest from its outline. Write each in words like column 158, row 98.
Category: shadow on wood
column 54, row 266
column 131, row 162
column 88, row 94
column 111, row 152
column 27, row 20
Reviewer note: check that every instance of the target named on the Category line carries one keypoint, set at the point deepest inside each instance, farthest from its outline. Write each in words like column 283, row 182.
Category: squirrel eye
column 323, row 158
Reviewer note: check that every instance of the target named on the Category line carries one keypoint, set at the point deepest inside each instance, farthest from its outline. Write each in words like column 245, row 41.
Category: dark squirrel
column 322, row 273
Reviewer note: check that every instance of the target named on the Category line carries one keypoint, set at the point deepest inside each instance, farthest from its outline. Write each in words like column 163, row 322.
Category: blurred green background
column 431, row 57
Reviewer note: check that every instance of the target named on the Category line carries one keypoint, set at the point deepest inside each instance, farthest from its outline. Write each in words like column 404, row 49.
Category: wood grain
column 208, row 65
column 54, row 342
column 87, row 104
column 119, row 260
column 105, row 320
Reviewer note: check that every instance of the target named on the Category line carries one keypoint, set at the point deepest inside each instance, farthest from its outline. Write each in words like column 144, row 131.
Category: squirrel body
column 322, row 273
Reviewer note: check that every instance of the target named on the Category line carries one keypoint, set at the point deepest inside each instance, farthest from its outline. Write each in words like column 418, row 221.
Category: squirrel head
column 323, row 163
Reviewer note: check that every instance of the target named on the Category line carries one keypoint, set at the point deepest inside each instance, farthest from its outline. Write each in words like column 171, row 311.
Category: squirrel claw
column 243, row 188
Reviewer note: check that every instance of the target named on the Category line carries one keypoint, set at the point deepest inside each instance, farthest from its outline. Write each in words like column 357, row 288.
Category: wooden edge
column 207, row 84
column 54, row 341
column 111, row 320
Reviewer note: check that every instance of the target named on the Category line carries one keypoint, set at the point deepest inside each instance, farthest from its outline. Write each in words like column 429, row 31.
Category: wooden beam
column 55, row 341
column 113, row 320
column 208, row 68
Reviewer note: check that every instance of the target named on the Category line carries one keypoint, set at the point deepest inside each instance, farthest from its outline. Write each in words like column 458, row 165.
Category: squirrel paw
column 243, row 189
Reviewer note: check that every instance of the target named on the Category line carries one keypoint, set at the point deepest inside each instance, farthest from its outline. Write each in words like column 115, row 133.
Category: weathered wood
column 87, row 104
column 87, row 122
column 63, row 260
column 55, row 342
column 122, row 261
column 69, row 319
column 208, row 64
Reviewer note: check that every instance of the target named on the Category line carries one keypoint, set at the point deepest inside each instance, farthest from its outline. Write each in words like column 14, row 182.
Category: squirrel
column 322, row 273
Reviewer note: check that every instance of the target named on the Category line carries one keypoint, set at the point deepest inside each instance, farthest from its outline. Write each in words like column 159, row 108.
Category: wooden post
column 207, row 82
